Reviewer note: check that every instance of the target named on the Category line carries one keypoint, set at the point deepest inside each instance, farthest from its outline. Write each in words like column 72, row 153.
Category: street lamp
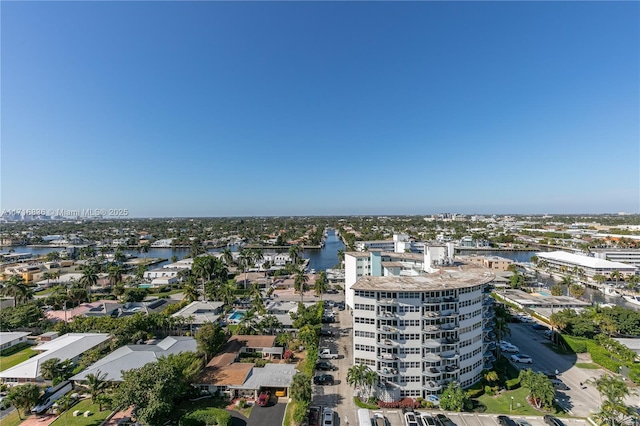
column 511, row 406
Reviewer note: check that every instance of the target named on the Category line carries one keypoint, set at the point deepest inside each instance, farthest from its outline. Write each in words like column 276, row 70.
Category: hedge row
column 206, row 417
column 512, row 384
column 578, row 345
column 15, row 348
column 601, row 356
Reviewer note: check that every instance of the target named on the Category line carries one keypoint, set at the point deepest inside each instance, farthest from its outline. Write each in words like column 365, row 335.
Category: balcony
column 449, row 354
column 431, row 314
column 450, row 299
column 387, row 372
column 387, row 357
column 387, row 343
column 450, row 313
column 450, row 369
column 431, row 357
column 450, row 340
column 432, row 372
column 488, row 328
column 448, row 326
column 432, row 343
column 388, row 302
column 386, row 315
column 431, row 328
column 386, row 329
column 432, row 385
column 432, row 301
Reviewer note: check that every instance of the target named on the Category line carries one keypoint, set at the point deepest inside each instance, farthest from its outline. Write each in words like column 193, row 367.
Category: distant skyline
column 199, row 109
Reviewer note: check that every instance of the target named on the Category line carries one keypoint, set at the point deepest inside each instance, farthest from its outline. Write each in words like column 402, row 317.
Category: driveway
column 578, row 401
column 271, row 415
column 395, row 418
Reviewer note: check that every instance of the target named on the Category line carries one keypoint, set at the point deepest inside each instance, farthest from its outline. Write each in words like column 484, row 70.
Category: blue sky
column 298, row 108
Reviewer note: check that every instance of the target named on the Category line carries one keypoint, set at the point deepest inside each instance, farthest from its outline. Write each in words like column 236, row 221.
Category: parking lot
column 395, row 418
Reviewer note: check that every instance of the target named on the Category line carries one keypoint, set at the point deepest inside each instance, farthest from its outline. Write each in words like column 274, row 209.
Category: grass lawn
column 17, row 358
column 189, row 406
column 557, row 349
column 288, row 414
column 11, row 420
column 94, row 419
column 588, row 365
column 501, row 404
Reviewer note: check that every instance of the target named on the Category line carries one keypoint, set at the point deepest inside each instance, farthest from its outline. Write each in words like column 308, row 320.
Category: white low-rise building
column 563, row 262
column 12, row 338
column 67, row 347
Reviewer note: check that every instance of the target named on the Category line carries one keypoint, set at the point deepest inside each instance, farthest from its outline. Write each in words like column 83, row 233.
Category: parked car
column 326, row 353
column 263, row 398
column 327, row 417
column 523, row 422
column 444, row 420
column 380, row 420
column 411, row 419
column 326, row 333
column 521, row 358
column 506, row 421
column 328, row 320
column 510, row 349
column 325, row 366
column 548, row 334
column 427, row 420
column 281, row 392
column 559, row 384
column 323, row 379
column 434, row 399
column 314, row 416
column 539, row 327
column 552, row 421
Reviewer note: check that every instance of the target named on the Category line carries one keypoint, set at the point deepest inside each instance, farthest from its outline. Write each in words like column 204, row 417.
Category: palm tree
column 244, row 261
column 617, row 275
column 15, row 287
column 322, row 285
column 249, row 323
column 144, row 248
column 356, row 375
column 227, row 256
column 294, row 254
column 613, row 392
column 301, row 283
column 89, row 278
column 190, row 290
column 576, row 290
column 256, row 299
column 369, row 380
column 227, row 293
column 96, row 385
column 115, row 274
column 341, row 257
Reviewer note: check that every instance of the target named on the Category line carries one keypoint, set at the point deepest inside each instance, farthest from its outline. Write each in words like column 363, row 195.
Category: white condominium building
column 421, row 331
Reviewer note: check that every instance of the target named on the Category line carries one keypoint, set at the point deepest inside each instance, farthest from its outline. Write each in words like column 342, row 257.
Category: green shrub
column 512, row 384
column 300, row 411
column 601, row 356
column 475, row 393
column 206, row 417
column 361, row 404
column 261, row 362
column 242, row 403
column 488, row 390
column 578, row 345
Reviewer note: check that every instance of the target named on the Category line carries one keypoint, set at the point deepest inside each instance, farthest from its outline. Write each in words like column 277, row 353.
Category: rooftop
column 64, row 347
column 10, row 336
column 135, row 356
column 270, row 376
column 586, row 261
column 445, row 278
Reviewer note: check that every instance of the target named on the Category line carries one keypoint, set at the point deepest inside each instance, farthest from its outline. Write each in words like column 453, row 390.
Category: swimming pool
column 544, row 293
column 236, row 316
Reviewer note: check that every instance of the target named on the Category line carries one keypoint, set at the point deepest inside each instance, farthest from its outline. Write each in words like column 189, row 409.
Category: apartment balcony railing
column 432, row 301
column 432, row 372
column 388, row 302
column 431, row 357
column 450, row 299
column 386, row 329
column 449, row 354
column 432, row 385
column 432, row 343
column 386, row 357
column 387, row 372
column 386, row 315
column 388, row 343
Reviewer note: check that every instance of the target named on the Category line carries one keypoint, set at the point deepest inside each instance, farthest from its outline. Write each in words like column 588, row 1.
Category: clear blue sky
column 296, row 108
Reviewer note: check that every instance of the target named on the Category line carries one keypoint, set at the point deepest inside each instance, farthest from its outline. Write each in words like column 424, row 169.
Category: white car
column 521, row 358
column 327, row 417
column 510, row 349
column 411, row 419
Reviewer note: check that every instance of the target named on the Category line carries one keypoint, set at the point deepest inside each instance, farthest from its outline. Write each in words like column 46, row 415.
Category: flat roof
column 229, row 375
column 270, row 376
column 64, row 347
column 586, row 261
column 10, row 336
column 445, row 278
column 129, row 357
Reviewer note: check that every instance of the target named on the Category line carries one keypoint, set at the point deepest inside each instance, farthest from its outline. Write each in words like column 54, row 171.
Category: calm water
column 319, row 259
column 326, row 257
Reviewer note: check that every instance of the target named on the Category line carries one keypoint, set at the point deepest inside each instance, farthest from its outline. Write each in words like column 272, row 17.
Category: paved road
column 339, row 397
column 579, row 401
column 271, row 415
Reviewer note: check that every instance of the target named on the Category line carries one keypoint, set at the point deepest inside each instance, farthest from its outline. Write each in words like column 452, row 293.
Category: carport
column 270, row 377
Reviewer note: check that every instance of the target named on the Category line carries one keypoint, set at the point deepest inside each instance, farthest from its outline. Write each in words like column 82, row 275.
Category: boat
column 609, row 291
column 635, row 299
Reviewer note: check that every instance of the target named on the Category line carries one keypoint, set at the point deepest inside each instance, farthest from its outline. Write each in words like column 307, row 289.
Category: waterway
column 319, row 259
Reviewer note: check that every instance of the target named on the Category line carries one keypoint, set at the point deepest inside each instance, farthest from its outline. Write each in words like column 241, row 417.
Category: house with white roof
column 130, row 357
column 200, row 312
column 9, row 339
column 67, row 347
